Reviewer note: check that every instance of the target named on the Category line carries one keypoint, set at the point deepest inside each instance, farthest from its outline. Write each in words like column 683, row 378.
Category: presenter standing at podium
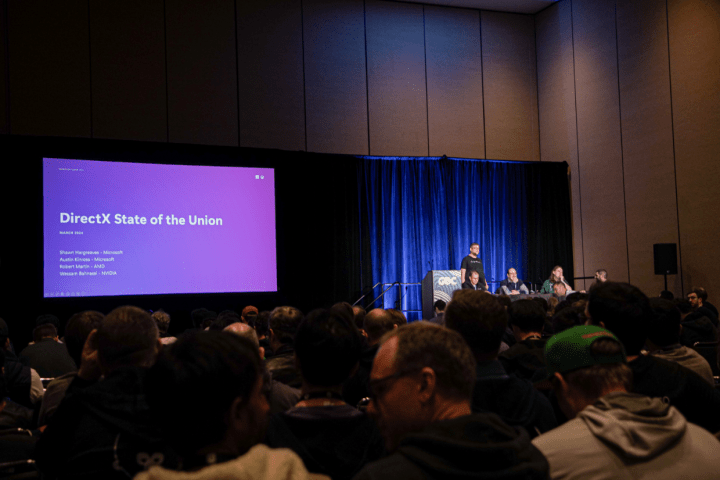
column 472, row 262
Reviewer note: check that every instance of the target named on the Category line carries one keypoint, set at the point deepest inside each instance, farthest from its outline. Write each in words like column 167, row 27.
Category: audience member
column 77, row 330
column 201, row 315
column 568, row 317
column 439, row 311
column 283, row 324
column 526, row 357
column 330, row 436
column 377, row 323
column 263, row 332
column 615, row 434
column 162, row 320
column 625, row 310
column 694, row 329
column 47, row 355
column 697, row 296
column 559, row 291
column 422, row 380
column 704, row 296
column 359, row 317
column 48, row 318
column 23, row 382
column 206, row 392
column 481, row 321
column 280, row 397
column 249, row 314
column 19, row 443
column 664, row 340
column 399, row 318
column 104, row 428
column 667, row 295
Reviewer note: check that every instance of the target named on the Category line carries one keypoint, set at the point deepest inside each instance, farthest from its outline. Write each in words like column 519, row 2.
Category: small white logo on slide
column 257, row 177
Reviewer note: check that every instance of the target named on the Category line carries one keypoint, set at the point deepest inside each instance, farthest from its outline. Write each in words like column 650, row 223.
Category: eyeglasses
column 375, row 384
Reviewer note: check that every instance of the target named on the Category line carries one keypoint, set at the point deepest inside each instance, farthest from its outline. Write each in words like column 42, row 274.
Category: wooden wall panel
column 510, row 92
column 335, row 86
column 694, row 27
column 202, row 72
column 599, row 142
column 4, row 83
column 557, row 116
column 396, row 79
column 48, row 56
column 649, row 166
column 127, row 44
column 270, row 59
column 454, row 82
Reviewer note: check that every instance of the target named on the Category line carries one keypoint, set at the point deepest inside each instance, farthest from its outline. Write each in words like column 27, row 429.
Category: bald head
column 243, row 330
column 377, row 322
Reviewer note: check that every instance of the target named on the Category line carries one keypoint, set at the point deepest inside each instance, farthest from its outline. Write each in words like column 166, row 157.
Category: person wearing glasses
column 421, row 389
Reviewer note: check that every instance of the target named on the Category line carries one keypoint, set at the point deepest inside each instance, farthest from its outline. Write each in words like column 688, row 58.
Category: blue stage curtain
column 421, row 214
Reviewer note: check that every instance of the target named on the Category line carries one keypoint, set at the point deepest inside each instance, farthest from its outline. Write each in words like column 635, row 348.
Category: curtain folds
column 421, row 214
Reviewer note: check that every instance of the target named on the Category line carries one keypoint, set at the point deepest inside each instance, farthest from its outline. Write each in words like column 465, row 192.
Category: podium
column 438, row 285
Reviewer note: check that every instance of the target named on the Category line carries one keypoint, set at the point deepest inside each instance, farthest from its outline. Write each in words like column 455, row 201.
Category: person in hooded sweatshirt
column 421, row 389
column 103, row 428
column 613, row 433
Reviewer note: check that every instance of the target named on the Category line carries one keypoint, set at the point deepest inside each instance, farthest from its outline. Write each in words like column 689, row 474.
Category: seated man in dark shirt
column 283, row 324
column 103, row 428
column 473, row 281
column 331, row 437
column 47, row 355
column 481, row 321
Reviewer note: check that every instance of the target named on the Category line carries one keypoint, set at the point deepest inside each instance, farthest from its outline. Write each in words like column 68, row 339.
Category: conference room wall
column 645, row 108
column 4, row 97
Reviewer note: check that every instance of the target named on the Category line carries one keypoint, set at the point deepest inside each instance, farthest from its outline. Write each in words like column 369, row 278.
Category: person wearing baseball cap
column 614, row 433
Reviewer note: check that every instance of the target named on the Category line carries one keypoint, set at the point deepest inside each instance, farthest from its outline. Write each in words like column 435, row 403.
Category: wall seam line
column 622, row 153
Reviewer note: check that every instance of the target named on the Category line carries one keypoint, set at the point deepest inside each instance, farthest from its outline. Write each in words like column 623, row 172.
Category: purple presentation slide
column 117, row 228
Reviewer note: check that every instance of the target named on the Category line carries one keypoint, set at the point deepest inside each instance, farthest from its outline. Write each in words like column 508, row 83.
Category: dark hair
column 359, row 316
column 479, row 318
column 327, row 346
column 77, row 330
column 701, row 293
column 377, row 323
column 162, row 320
column 542, row 302
column 594, row 381
column 398, row 317
column 440, row 305
column 127, row 337
column 504, row 300
column 473, row 244
column 228, row 317
column 552, row 276
column 284, row 322
column 195, row 381
column 527, row 316
column 568, row 317
column 665, row 324
column 684, row 305
column 624, row 310
column 423, row 344
column 46, row 330
column 261, row 323
column 576, row 297
column 47, row 318
column 667, row 295
column 200, row 315
column 470, row 273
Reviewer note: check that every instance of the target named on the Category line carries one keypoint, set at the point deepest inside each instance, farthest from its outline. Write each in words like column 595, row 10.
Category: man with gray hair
column 104, row 428
column 421, row 382
column 280, row 397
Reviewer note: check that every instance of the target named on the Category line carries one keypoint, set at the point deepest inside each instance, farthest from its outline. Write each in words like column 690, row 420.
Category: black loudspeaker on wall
column 665, row 255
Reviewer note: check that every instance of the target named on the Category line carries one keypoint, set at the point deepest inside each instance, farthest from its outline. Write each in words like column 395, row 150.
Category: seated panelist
column 473, row 282
column 512, row 285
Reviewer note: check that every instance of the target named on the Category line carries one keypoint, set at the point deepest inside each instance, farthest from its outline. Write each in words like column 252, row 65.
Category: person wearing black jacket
column 422, row 381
